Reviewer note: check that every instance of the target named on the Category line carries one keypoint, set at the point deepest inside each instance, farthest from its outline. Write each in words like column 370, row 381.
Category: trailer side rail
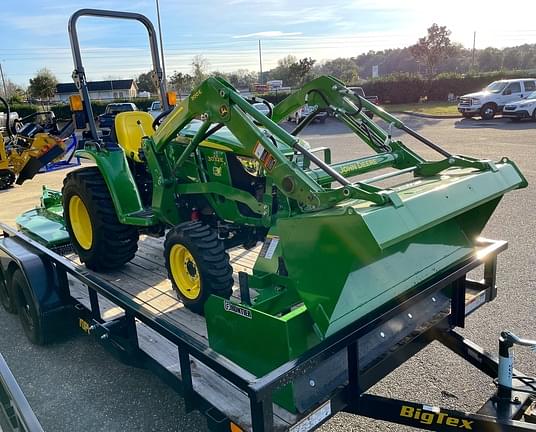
column 14, row 407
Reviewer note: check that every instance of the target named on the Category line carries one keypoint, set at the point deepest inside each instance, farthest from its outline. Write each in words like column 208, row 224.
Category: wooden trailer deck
column 145, row 280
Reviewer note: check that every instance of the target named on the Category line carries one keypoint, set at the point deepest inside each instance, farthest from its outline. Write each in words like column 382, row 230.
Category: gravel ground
column 76, row 385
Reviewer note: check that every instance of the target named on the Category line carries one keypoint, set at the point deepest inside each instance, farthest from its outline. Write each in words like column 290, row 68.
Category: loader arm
column 218, row 104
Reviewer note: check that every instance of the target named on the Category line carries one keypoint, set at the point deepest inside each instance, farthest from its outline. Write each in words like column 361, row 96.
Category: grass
column 434, row 108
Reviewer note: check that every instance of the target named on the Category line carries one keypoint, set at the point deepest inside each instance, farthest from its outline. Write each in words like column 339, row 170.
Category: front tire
column 488, row 111
column 100, row 240
column 197, row 264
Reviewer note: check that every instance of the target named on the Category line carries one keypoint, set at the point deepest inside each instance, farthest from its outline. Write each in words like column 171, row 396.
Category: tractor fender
column 47, row 287
column 113, row 166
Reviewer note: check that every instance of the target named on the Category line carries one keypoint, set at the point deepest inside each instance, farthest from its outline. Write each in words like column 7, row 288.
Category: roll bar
column 79, row 75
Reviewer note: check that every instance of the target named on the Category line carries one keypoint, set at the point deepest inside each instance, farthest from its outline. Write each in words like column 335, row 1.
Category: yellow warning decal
column 84, row 325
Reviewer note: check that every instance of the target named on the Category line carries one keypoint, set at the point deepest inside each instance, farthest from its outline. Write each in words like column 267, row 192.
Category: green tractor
column 214, row 173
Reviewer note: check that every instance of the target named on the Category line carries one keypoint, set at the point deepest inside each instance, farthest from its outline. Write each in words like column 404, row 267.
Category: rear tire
column 100, row 240
column 197, row 264
column 488, row 111
column 28, row 313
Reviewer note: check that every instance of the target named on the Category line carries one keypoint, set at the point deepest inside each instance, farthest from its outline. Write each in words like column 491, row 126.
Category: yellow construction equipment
column 26, row 149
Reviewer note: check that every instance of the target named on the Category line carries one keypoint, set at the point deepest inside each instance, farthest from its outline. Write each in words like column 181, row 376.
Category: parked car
column 106, row 120
column 262, row 108
column 374, row 99
column 304, row 111
column 491, row 100
column 155, row 109
column 524, row 109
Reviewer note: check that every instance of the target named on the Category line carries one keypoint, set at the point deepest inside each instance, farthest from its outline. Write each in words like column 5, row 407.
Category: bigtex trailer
column 211, row 239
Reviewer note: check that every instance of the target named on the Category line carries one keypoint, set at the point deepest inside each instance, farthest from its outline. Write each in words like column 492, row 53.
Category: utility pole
column 474, row 44
column 3, row 81
column 161, row 45
column 260, row 61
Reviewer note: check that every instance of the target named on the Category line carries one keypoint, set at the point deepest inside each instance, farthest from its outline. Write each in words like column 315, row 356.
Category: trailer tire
column 197, row 264
column 6, row 296
column 32, row 323
column 100, row 240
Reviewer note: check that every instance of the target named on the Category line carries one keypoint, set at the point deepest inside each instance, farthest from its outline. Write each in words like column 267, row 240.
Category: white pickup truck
column 155, row 109
column 491, row 101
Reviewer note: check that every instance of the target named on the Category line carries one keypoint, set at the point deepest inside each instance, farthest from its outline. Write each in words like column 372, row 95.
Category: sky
column 226, row 32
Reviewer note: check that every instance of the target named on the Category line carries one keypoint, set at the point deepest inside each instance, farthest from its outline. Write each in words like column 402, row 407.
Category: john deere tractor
column 215, row 173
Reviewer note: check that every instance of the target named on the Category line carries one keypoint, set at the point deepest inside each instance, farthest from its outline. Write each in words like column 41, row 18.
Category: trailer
column 133, row 312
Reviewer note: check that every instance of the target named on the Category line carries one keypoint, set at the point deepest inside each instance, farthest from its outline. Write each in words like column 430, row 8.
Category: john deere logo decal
column 224, row 110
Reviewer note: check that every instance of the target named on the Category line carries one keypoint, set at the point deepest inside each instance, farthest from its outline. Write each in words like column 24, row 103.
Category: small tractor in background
column 30, row 145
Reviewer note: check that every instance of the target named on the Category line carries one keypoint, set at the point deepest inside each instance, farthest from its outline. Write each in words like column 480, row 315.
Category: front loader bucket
column 352, row 259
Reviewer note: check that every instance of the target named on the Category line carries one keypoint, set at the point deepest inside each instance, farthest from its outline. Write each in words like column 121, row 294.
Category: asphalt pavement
column 76, row 385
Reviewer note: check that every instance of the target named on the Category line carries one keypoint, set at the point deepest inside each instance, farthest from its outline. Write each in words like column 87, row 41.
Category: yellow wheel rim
column 184, row 271
column 80, row 222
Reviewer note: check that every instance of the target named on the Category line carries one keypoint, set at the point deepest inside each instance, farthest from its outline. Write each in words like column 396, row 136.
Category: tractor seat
column 129, row 133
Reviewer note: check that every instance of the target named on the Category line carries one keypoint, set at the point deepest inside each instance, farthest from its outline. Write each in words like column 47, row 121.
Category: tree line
column 431, row 55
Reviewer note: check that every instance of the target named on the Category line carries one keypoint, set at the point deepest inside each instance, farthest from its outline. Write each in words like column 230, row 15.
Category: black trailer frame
column 505, row 413
column 16, row 413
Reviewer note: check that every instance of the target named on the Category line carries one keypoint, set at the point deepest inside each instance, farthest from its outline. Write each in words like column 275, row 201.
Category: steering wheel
column 160, row 118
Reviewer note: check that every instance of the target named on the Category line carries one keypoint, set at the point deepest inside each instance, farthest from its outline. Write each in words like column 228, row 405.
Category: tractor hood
column 352, row 259
column 224, row 140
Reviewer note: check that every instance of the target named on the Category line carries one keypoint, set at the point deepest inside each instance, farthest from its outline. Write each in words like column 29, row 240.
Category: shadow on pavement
column 497, row 123
column 334, row 127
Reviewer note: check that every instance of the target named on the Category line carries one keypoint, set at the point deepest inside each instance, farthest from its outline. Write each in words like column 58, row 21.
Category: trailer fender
column 114, row 168
column 45, row 286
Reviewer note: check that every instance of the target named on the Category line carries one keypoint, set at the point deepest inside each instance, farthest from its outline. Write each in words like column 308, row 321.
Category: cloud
column 267, row 34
